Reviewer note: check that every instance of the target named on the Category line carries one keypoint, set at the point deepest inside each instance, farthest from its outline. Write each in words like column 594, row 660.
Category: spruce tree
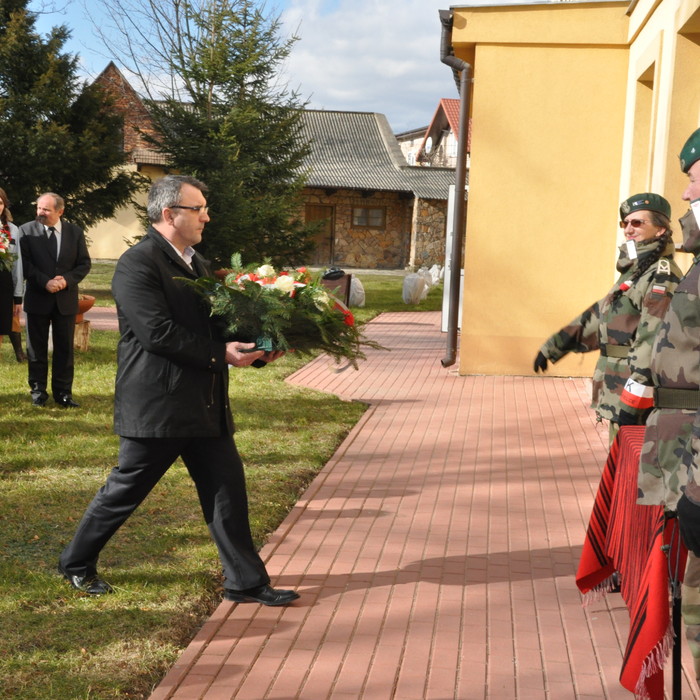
column 223, row 117
column 57, row 133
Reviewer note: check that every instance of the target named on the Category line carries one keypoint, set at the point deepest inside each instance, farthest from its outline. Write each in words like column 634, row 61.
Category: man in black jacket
column 55, row 259
column 171, row 399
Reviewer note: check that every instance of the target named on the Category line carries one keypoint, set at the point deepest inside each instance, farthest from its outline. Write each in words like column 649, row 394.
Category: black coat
column 172, row 376
column 39, row 267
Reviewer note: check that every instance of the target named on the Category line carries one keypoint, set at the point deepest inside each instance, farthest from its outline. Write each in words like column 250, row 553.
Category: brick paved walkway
column 435, row 553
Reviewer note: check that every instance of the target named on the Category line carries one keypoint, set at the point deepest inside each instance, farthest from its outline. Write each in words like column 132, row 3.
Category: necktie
column 53, row 243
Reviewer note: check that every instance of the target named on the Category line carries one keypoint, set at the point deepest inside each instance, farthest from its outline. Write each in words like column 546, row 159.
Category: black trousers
column 62, row 363
column 217, row 471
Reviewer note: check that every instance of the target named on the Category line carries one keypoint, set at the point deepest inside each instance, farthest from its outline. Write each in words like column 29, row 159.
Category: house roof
column 411, row 134
column 446, row 118
column 451, row 108
column 137, row 118
column 357, row 150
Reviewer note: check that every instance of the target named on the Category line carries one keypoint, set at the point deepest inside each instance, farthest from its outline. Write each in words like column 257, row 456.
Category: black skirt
column 7, row 289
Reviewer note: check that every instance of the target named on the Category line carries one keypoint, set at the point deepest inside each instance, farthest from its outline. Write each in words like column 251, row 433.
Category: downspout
column 459, row 220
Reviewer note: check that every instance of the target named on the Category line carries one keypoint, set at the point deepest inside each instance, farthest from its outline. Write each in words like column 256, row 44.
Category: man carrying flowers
column 171, row 399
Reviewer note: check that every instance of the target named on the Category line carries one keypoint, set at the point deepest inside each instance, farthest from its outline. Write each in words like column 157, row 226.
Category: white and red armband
column 637, row 395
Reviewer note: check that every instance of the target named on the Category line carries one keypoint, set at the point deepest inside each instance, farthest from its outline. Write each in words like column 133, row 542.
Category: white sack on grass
column 414, row 287
column 357, row 292
column 425, row 274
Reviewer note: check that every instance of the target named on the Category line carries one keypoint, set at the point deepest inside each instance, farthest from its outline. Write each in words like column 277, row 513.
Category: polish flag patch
column 637, row 395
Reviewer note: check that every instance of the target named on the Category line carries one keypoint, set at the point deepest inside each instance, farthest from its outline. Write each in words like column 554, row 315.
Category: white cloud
column 370, row 56
column 357, row 55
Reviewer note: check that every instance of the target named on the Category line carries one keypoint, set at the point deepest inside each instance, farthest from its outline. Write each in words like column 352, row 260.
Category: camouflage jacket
column 671, row 451
column 675, row 364
column 630, row 321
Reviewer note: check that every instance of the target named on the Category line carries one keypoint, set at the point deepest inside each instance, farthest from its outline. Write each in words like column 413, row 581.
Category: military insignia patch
column 664, row 266
column 658, row 289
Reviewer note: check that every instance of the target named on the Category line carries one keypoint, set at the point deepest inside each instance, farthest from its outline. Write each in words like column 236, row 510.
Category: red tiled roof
column 446, row 115
column 451, row 108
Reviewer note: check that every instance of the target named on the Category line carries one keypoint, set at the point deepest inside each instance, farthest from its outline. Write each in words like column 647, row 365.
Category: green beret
column 647, row 201
column 691, row 151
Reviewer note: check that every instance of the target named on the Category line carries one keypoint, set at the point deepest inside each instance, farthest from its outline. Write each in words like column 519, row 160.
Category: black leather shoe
column 265, row 595
column 93, row 585
column 39, row 400
column 67, row 402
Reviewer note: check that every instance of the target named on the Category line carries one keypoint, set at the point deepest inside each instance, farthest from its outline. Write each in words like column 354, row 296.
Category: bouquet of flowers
column 6, row 257
column 284, row 310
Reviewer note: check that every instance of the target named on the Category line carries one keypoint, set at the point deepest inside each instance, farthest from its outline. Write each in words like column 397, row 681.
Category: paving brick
column 436, row 551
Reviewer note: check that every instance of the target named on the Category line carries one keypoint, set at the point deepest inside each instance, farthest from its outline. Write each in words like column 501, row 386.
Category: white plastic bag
column 357, row 292
column 428, row 277
column 414, row 287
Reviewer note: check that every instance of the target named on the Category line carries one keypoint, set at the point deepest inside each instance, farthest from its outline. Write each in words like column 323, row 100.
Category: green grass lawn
column 98, row 283
column 59, row 644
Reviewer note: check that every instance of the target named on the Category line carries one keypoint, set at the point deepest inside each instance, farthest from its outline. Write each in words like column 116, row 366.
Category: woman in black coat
column 11, row 281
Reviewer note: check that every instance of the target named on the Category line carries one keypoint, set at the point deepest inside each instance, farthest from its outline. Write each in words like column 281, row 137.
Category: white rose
column 285, row 283
column 321, row 300
column 265, row 271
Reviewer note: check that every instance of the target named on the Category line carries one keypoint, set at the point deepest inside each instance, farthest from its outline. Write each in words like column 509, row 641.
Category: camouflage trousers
column 690, row 608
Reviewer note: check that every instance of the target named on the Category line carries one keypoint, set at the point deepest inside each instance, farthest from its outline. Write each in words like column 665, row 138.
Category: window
column 368, row 217
column 452, row 148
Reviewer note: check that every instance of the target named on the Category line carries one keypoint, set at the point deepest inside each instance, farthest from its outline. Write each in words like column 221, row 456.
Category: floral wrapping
column 7, row 258
column 284, row 310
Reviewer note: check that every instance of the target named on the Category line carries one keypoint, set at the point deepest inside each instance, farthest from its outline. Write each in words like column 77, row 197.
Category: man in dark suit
column 55, row 259
column 171, row 399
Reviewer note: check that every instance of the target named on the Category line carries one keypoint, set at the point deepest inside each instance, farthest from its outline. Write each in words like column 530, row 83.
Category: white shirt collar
column 186, row 254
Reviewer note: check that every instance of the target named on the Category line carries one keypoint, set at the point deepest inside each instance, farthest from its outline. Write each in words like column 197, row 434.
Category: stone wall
column 429, row 231
column 383, row 249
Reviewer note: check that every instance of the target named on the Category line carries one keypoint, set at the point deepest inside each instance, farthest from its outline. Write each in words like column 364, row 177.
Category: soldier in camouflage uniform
column 623, row 324
column 676, row 366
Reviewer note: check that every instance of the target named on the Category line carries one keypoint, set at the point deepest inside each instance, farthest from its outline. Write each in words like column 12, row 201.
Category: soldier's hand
column 689, row 523
column 540, row 363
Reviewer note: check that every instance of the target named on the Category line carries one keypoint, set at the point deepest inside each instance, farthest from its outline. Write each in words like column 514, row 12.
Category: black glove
column 540, row 363
column 627, row 418
column 689, row 523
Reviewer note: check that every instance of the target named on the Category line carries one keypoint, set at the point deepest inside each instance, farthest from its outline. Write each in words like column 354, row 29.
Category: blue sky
column 358, row 55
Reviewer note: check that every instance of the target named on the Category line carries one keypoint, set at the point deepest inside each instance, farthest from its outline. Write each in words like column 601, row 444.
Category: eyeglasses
column 204, row 210
column 634, row 223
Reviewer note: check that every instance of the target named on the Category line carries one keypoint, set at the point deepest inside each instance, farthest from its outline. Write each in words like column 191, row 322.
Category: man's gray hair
column 58, row 202
column 166, row 193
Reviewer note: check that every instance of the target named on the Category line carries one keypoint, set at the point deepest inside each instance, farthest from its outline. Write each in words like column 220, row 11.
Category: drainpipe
column 462, row 72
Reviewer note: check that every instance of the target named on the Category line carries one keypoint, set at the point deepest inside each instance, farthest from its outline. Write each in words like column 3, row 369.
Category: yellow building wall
column 108, row 239
column 548, row 107
column 663, row 100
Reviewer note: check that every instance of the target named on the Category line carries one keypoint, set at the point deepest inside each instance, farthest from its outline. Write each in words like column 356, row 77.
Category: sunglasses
column 634, row 223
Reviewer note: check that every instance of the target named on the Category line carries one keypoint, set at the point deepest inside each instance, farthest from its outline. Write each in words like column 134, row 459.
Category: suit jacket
column 39, row 267
column 172, row 375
